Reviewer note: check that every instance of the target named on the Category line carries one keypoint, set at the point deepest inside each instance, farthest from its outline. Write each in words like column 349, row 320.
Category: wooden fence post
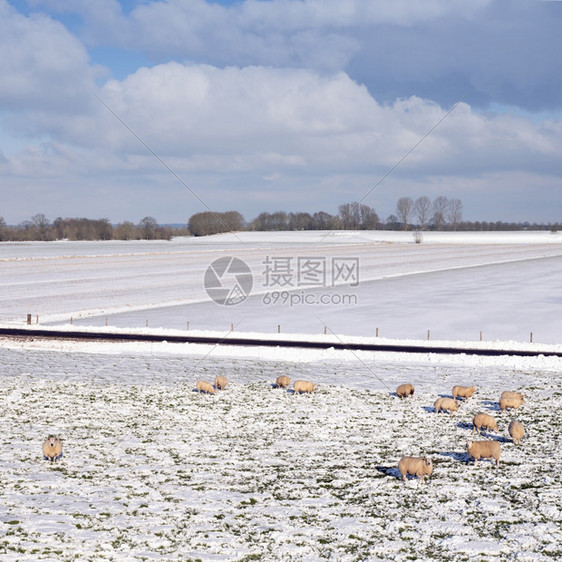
column 29, row 318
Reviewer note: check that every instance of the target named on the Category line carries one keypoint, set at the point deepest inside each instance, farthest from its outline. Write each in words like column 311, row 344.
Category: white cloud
column 245, row 135
column 42, row 65
column 272, row 121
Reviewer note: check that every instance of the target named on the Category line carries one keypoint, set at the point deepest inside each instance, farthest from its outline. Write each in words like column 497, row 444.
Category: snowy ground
column 152, row 470
column 505, row 285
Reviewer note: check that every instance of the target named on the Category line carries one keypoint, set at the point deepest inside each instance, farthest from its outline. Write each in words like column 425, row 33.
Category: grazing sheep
column 510, row 402
column 463, row 392
column 485, row 421
column 446, row 404
column 420, row 466
column 221, row 382
column 282, row 381
column 204, row 386
column 405, row 390
column 303, row 386
column 484, row 450
column 52, row 448
column 516, row 431
column 511, row 394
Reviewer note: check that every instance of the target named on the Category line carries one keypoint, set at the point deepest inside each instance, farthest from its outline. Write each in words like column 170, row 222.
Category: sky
column 128, row 109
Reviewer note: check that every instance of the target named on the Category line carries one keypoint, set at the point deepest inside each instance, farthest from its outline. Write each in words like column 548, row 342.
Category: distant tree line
column 203, row 224
column 419, row 214
column 40, row 228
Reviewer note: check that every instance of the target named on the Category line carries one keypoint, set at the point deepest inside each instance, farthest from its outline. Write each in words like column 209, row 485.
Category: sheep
column 282, row 381
column 508, row 402
column 221, row 382
column 204, row 386
column 463, row 392
column 405, row 390
column 52, row 448
column 419, row 466
column 516, row 431
column 511, row 394
column 485, row 421
column 484, row 450
column 446, row 404
column 303, row 386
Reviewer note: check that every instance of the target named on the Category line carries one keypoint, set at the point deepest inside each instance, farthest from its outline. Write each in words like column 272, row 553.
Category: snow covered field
column 152, row 470
column 505, row 285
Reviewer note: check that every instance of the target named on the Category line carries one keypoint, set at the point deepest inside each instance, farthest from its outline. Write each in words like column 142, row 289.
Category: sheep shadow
column 463, row 457
column 464, row 425
column 486, row 435
column 203, row 392
column 491, row 405
column 275, row 385
column 389, row 471
column 429, row 409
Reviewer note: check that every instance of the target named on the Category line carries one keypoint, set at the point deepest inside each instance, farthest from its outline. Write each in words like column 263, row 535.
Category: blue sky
column 262, row 105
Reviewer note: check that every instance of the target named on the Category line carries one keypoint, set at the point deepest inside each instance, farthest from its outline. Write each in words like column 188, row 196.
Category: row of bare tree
column 419, row 214
column 438, row 213
column 40, row 228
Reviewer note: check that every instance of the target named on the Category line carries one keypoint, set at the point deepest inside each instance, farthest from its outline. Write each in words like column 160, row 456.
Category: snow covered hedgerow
column 446, row 404
column 485, row 421
column 204, row 386
column 510, row 402
column 516, row 431
column 405, row 390
column 303, row 386
column 484, row 450
column 221, row 382
column 419, row 466
column 463, row 392
column 52, row 448
column 282, row 381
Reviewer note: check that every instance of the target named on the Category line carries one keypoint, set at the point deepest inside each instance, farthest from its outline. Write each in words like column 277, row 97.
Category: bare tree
column 454, row 212
column 422, row 210
column 148, row 227
column 349, row 217
column 126, row 231
column 299, row 221
column 369, row 219
column 440, row 205
column 323, row 221
column 404, row 208
column 42, row 225
column 356, row 216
